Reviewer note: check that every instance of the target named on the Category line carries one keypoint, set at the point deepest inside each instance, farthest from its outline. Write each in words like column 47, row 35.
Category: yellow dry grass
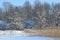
column 51, row 32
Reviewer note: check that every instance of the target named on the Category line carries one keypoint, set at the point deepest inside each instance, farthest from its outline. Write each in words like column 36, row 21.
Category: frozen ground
column 20, row 35
column 15, row 37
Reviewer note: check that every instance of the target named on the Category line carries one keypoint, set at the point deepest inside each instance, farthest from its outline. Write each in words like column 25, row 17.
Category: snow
column 20, row 35
column 11, row 37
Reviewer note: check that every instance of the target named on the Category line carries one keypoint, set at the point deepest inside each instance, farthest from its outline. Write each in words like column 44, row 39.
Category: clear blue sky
column 20, row 2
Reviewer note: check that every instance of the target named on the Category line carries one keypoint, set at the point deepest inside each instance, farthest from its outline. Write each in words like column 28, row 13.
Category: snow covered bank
column 14, row 32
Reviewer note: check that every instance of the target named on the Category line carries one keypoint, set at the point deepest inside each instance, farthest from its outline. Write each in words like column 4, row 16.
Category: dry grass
column 51, row 32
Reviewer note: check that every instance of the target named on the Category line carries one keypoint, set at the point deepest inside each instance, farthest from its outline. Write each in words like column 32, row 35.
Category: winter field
column 50, row 32
column 11, row 37
column 42, row 34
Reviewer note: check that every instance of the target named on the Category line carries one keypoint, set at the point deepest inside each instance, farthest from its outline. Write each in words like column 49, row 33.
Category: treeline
column 31, row 16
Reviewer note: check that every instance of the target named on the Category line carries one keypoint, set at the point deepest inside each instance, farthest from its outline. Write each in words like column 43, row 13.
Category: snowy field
column 15, row 37
column 20, row 35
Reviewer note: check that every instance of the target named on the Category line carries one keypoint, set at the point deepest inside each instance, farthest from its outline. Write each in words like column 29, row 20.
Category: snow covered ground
column 10, row 32
column 20, row 35
column 15, row 37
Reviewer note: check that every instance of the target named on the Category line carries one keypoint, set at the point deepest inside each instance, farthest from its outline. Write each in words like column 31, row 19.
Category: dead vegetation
column 51, row 32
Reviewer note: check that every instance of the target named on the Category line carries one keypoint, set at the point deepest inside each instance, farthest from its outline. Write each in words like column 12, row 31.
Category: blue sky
column 21, row 2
